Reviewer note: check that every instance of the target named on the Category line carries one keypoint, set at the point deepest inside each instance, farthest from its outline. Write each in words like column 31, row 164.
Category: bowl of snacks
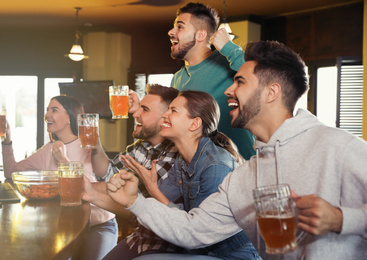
column 37, row 184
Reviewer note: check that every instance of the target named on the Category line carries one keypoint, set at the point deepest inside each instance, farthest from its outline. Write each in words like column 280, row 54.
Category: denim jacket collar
column 191, row 168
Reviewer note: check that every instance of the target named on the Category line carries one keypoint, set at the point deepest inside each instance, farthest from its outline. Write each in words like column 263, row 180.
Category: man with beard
column 194, row 30
column 324, row 166
column 149, row 146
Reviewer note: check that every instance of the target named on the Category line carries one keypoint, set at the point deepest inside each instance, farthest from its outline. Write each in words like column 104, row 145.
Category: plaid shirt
column 144, row 153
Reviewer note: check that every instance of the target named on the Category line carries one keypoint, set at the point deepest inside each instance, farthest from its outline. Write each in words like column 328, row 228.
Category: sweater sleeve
column 353, row 189
column 234, row 54
column 33, row 162
column 208, row 224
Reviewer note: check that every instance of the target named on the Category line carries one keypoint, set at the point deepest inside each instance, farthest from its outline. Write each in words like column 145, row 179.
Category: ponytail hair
column 203, row 105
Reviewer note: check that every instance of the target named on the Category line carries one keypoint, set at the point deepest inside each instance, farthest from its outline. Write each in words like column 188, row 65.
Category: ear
column 195, row 124
column 273, row 92
column 201, row 35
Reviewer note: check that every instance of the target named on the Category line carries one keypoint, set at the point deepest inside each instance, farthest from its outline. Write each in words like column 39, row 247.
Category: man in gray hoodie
column 325, row 167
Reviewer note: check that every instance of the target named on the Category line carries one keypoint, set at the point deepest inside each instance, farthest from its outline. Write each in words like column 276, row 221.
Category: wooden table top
column 36, row 229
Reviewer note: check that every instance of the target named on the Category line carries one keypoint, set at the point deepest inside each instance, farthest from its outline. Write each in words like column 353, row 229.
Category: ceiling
column 131, row 13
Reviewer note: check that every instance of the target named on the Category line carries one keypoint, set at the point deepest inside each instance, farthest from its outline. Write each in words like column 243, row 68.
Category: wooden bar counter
column 36, row 229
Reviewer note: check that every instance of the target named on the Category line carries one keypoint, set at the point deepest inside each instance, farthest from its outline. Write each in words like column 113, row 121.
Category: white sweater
column 313, row 159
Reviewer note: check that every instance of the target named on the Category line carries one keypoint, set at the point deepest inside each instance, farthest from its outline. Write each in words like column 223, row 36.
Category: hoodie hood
column 291, row 128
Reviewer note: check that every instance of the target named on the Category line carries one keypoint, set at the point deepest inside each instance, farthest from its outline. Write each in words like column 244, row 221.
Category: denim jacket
column 189, row 185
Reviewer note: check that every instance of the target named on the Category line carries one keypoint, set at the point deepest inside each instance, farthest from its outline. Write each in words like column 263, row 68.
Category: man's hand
column 134, row 101
column 91, row 191
column 88, row 190
column 123, row 188
column 317, row 216
column 220, row 38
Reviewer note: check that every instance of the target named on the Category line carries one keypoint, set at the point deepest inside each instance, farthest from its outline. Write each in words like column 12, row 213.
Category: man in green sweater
column 193, row 34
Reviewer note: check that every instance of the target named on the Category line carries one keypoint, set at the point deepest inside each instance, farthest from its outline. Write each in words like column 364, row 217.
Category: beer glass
column 88, row 130
column 119, row 101
column 2, row 124
column 70, row 183
column 275, row 212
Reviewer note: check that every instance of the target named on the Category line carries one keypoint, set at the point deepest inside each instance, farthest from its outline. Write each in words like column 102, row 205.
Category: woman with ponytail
column 206, row 157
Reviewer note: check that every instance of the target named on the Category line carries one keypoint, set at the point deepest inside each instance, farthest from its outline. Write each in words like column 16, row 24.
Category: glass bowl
column 37, row 184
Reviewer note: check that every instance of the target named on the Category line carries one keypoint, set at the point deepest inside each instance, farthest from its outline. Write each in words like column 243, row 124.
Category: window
column 142, row 79
column 350, row 95
column 327, row 95
column 18, row 94
column 162, row 79
column 340, row 93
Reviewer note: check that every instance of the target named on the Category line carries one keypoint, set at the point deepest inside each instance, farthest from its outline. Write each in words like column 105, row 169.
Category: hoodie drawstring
column 257, row 185
column 277, row 165
column 257, row 168
column 279, row 178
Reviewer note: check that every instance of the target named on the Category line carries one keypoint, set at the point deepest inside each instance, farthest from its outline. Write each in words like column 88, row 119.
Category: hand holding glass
column 2, row 125
column 119, row 101
column 275, row 211
column 88, row 130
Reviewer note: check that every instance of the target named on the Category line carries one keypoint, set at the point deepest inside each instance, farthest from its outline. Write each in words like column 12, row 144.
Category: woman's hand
column 58, row 151
column 149, row 177
column 7, row 139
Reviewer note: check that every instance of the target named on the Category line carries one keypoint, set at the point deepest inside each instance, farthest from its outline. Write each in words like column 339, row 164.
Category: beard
column 145, row 132
column 248, row 110
column 183, row 51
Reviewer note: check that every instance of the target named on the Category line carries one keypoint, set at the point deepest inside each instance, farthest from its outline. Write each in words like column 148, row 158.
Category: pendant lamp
column 76, row 52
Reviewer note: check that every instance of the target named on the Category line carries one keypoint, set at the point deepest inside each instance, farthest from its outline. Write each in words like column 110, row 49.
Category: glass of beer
column 70, row 183
column 88, row 130
column 119, row 101
column 2, row 124
column 275, row 212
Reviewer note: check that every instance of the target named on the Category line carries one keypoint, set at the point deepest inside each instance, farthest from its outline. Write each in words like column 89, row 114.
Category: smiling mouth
column 233, row 104
column 138, row 125
column 174, row 42
column 165, row 125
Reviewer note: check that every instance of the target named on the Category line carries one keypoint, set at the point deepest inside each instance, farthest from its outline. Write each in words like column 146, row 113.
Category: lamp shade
column 76, row 53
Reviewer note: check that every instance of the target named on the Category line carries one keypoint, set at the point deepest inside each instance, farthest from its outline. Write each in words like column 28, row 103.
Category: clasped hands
column 123, row 187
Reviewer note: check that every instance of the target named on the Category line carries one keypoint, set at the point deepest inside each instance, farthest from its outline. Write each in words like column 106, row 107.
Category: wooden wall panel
column 320, row 35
